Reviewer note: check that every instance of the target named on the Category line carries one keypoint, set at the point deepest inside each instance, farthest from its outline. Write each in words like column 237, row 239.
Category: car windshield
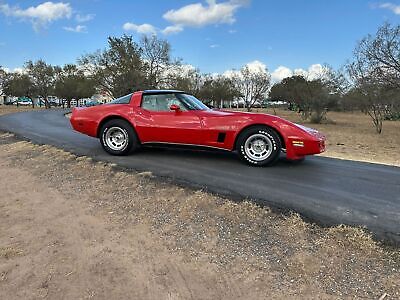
column 191, row 102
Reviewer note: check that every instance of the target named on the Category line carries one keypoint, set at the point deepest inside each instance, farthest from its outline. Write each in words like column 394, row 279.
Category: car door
column 156, row 122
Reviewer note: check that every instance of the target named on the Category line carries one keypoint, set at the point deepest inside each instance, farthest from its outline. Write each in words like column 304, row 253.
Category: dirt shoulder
column 71, row 228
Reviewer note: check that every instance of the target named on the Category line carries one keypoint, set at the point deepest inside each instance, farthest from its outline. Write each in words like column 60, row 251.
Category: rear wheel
column 118, row 137
column 259, row 146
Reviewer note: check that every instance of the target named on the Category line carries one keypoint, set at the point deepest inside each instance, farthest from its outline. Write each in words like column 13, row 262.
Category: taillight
column 322, row 145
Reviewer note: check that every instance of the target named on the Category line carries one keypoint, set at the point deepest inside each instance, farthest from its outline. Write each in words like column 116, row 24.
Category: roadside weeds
column 261, row 251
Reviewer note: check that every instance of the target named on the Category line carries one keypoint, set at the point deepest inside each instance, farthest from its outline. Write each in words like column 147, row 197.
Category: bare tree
column 184, row 79
column 252, row 85
column 370, row 94
column 156, row 55
column 381, row 53
column 375, row 73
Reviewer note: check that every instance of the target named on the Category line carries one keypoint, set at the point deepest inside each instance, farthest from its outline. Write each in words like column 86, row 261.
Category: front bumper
column 308, row 143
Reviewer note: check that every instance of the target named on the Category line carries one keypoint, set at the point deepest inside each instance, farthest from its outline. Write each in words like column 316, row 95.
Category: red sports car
column 174, row 117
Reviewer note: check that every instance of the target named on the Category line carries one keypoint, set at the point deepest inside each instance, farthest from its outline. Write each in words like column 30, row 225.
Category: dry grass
column 9, row 252
column 352, row 136
column 9, row 109
column 264, row 254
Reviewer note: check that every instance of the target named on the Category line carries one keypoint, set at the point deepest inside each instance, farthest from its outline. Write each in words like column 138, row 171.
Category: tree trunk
column 46, row 103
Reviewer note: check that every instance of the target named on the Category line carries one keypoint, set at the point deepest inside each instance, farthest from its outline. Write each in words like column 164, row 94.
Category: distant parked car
column 23, row 101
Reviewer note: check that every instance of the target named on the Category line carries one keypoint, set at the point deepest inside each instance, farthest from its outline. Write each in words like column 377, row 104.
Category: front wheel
column 118, row 137
column 259, row 146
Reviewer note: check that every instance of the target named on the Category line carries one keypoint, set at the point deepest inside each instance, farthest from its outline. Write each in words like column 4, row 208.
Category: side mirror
column 175, row 107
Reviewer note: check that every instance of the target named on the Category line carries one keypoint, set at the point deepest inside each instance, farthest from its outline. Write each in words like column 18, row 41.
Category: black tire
column 269, row 149
column 128, row 142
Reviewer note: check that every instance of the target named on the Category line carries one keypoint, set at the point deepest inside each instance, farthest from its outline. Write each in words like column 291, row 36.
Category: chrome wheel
column 258, row 147
column 116, row 138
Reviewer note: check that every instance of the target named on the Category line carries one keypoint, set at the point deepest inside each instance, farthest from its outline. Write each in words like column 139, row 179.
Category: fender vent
column 221, row 137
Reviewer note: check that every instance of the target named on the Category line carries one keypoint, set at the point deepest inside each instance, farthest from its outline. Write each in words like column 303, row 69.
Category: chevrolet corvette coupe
column 155, row 117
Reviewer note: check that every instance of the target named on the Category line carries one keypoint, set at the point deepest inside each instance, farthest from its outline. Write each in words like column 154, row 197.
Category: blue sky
column 211, row 35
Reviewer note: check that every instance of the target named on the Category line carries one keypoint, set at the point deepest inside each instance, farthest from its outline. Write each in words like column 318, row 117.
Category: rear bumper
column 83, row 124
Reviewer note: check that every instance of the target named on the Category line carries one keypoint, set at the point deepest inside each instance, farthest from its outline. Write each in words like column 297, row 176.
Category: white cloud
column 232, row 31
column 40, row 15
column 199, row 15
column 143, row 28
column 84, row 18
column 172, row 29
column 280, row 73
column 254, row 66
column 313, row 72
column 19, row 70
column 77, row 29
column 393, row 7
column 183, row 70
column 214, row 46
column 193, row 15
column 257, row 66
column 15, row 70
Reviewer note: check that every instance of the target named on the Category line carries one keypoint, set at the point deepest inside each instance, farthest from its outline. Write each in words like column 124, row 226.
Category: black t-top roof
column 162, row 92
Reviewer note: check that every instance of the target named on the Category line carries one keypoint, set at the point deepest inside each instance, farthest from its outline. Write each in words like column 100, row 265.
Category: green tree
column 43, row 77
column 3, row 76
column 72, row 83
column 217, row 90
column 19, row 85
column 118, row 70
column 311, row 98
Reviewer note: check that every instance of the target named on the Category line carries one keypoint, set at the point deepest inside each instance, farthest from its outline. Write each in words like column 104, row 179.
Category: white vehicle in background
column 23, row 101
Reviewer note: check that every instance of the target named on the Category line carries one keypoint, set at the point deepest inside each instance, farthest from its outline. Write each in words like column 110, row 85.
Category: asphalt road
column 326, row 191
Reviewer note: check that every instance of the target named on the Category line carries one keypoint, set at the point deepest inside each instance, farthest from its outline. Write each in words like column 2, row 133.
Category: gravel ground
column 240, row 250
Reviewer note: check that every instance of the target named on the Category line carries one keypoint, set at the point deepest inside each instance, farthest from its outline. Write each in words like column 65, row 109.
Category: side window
column 122, row 100
column 161, row 102
column 149, row 102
